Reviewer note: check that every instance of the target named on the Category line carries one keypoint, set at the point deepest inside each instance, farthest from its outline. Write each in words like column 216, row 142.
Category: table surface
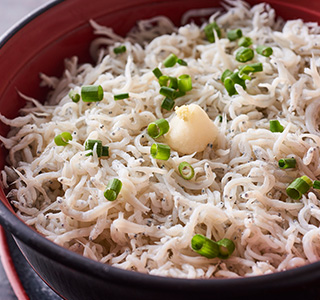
column 11, row 11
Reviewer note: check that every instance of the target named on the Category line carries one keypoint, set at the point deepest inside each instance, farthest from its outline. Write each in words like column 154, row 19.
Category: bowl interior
column 41, row 42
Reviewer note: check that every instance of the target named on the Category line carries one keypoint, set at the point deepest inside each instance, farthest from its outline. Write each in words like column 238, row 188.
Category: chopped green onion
column 170, row 61
column 173, row 83
column 167, row 92
column 250, row 68
column 244, row 76
column 220, row 118
column 89, row 145
column 226, row 248
column 186, row 170
column 307, row 179
column 167, row 103
column 120, row 49
column 163, row 80
column 264, row 50
column 234, row 34
column 157, row 72
column 298, row 187
column 158, row 128
column 225, row 74
column 231, row 80
column 63, row 139
column 244, row 41
column 287, row 163
column 244, row 54
column 100, row 150
column 229, row 85
column 184, row 83
column 113, row 189
column 316, row 184
column 208, row 30
column 91, row 93
column 121, row 96
column 75, row 97
column 160, row 151
column 237, row 80
column 178, row 94
column 182, row 62
column 275, row 126
column 204, row 246
column 105, row 151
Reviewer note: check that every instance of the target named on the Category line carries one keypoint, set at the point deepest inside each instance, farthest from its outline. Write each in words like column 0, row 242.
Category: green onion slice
column 178, row 94
column 89, row 145
column 173, row 82
column 184, row 83
column 244, row 54
column 208, row 30
column 243, row 72
column 158, row 128
column 229, row 85
column 275, row 126
column 225, row 74
column 287, row 163
column 91, row 93
column 186, row 170
column 100, row 150
column 244, row 76
column 167, row 103
column 244, row 41
column 121, row 96
column 246, row 69
column 250, row 68
column 157, row 72
column 105, row 151
column 204, row 246
column 170, row 61
column 163, row 80
column 75, row 97
column 63, row 139
column 167, row 92
column 231, row 80
column 298, row 187
column 182, row 62
column 120, row 49
column 226, row 248
column 316, row 184
column 234, row 34
column 236, row 79
column 160, row 151
column 113, row 189
column 264, row 50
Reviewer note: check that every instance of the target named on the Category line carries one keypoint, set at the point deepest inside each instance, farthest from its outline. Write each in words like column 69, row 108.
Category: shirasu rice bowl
column 238, row 191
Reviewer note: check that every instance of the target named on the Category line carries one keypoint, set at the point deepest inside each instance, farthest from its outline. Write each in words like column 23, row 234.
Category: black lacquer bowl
column 39, row 43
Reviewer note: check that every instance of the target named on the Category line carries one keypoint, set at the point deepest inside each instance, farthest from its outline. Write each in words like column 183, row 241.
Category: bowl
column 40, row 43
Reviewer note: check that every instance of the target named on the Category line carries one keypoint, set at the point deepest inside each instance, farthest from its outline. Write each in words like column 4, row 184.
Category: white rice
column 238, row 191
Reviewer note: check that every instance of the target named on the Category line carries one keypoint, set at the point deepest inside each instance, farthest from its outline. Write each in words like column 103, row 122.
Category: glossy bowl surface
column 39, row 44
